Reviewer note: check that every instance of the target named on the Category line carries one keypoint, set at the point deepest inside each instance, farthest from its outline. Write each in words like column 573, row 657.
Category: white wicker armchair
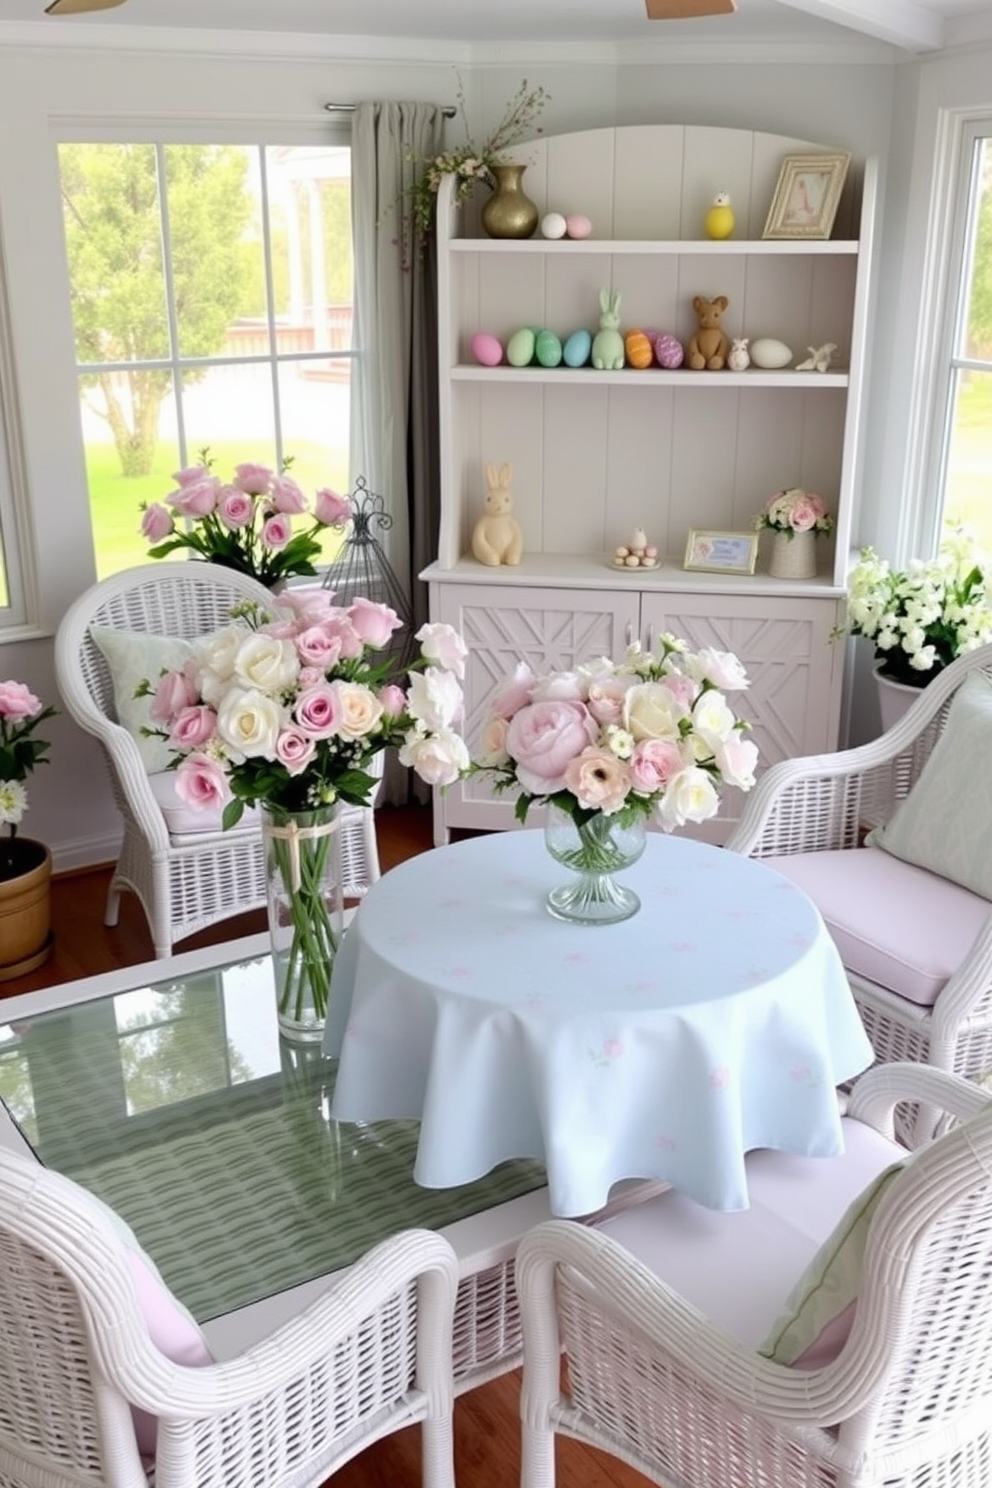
column 371, row 1355
column 188, row 879
column 808, row 818
column 658, row 1373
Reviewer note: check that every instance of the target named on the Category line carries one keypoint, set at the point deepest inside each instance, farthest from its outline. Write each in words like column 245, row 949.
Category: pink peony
column 598, row 780
column 331, row 509
column 373, row 623
column 543, row 737
column 512, row 694
column 17, row 702
column 287, row 497
column 156, row 522
column 253, row 479
column 201, row 783
column 276, row 531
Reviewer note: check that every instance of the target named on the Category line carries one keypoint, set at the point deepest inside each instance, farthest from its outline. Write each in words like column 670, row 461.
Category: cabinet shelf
column 753, row 377
column 725, row 248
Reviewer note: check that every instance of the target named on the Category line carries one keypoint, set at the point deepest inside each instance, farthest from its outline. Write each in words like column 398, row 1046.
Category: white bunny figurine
column 496, row 537
column 607, row 346
column 738, row 357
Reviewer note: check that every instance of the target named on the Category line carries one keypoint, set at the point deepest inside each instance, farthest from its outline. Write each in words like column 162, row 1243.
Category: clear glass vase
column 594, row 851
column 303, row 878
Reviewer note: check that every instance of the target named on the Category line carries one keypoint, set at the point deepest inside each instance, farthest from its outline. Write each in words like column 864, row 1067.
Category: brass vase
column 509, row 212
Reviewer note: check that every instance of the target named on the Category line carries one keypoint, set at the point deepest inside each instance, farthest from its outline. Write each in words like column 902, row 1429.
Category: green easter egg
column 577, row 349
column 520, row 347
column 548, row 349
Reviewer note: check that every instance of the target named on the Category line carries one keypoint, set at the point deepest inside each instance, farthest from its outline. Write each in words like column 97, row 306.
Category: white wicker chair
column 185, row 881
column 371, row 1355
column 655, row 1380
column 824, row 804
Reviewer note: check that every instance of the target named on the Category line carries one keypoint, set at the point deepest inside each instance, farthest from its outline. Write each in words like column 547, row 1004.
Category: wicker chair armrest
column 877, row 1093
column 131, row 776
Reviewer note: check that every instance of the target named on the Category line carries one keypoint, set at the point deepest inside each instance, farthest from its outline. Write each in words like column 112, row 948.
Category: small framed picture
column 722, row 552
column 806, row 197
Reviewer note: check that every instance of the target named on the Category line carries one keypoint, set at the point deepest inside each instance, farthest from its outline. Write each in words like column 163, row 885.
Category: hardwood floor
column 487, row 1430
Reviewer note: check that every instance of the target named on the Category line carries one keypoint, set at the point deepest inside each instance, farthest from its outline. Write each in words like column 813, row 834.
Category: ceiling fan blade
column 77, row 7
column 679, row 10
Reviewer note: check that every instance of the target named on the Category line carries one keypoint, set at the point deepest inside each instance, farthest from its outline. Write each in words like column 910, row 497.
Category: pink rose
column 276, row 531
column 653, row 763
column 374, row 623
column 190, row 474
column 542, row 739
column 156, row 522
column 598, row 780
column 339, row 625
column 287, row 497
column 193, row 727
column 802, row 517
column 198, row 499
column 605, row 700
column 295, row 749
column 317, row 711
column 316, row 648
column 331, row 509
column 174, row 692
column 310, row 606
column 202, row 783
column 252, row 479
column 393, row 700
column 234, row 508
column 683, row 689
column 17, row 703
column 309, row 677
column 513, row 693
column 442, row 645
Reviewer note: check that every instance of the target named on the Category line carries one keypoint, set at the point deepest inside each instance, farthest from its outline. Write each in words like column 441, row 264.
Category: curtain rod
column 449, row 111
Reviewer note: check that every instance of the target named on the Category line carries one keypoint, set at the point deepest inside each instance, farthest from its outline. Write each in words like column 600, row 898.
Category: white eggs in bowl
column 769, row 353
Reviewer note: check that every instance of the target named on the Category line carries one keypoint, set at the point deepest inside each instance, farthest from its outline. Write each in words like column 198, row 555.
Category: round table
column 716, row 1020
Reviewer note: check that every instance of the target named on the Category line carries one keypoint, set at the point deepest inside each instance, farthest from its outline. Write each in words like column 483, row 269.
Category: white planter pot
column 793, row 557
column 894, row 699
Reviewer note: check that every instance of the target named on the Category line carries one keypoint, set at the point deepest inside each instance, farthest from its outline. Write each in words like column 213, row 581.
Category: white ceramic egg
column 770, row 353
column 577, row 226
column 553, row 225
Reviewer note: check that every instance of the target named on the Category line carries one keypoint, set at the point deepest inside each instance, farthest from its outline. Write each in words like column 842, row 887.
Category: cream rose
column 652, row 711
column 266, row 663
column 359, row 710
column 689, row 796
column 248, row 723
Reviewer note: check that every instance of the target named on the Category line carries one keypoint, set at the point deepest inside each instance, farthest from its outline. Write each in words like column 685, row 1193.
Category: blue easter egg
column 548, row 349
column 577, row 349
column 520, row 347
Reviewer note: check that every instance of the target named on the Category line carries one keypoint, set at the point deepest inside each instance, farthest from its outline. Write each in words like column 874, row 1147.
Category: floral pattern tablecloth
column 717, row 1020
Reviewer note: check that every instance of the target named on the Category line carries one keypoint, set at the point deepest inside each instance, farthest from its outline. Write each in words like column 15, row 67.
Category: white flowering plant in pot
column 924, row 616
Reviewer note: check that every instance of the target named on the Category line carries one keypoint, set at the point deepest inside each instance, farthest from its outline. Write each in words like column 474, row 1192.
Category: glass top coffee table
column 167, row 1090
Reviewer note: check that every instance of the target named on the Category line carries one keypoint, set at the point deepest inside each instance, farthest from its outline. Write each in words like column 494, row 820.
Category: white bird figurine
column 819, row 358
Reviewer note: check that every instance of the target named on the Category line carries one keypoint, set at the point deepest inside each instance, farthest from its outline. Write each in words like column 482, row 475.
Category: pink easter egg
column 486, row 349
column 651, row 552
column 669, row 351
column 577, row 226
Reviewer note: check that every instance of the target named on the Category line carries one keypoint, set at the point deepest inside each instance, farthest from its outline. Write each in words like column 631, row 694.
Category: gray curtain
column 394, row 418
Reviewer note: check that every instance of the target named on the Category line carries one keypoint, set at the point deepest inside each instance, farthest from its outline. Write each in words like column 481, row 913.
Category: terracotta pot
column 25, row 907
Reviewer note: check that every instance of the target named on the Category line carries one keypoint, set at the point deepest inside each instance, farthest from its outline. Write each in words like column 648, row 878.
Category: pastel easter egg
column 548, row 349
column 487, row 351
column 577, row 226
column 638, row 350
column 669, row 351
column 577, row 349
column 520, row 347
column 553, row 225
column 770, row 353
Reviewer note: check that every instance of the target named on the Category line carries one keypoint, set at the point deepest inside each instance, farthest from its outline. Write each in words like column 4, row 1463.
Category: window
column 963, row 443
column 211, row 294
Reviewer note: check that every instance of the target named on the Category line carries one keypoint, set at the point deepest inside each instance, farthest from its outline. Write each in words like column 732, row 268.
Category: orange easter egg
column 638, row 349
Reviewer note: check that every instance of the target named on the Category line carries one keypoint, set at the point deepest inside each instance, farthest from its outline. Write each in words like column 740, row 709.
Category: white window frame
column 16, row 551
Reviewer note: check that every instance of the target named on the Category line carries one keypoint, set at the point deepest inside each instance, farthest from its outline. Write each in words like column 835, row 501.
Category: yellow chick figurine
column 720, row 217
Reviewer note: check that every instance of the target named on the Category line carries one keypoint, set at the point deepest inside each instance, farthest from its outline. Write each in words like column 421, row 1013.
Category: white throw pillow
column 945, row 823
column 133, row 656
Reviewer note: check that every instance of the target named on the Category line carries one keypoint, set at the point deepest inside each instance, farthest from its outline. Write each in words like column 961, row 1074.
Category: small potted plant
column 25, row 865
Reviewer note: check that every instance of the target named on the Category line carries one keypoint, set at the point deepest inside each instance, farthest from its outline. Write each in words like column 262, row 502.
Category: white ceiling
column 914, row 26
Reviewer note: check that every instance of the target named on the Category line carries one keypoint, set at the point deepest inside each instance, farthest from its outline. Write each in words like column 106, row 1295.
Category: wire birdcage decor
column 362, row 568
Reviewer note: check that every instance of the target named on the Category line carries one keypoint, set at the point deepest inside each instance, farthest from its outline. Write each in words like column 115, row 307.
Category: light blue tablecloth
column 717, row 1020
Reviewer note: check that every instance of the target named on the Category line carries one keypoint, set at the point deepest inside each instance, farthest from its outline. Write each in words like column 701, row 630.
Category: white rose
column 712, row 718
column 434, row 698
column 248, row 723
column 689, row 796
column 443, row 645
column 722, row 668
column 566, row 687
column 439, row 759
column 359, row 710
column 736, row 759
column 651, row 711
column 266, row 663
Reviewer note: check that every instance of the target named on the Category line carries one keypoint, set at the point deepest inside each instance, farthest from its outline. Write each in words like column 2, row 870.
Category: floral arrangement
column 286, row 710
column 246, row 524
column 471, row 163
column 20, row 714
column 652, row 735
column 795, row 511
column 924, row 616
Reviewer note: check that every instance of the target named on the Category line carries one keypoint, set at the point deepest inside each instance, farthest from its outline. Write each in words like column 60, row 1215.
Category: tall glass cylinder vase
column 593, row 850
column 303, row 876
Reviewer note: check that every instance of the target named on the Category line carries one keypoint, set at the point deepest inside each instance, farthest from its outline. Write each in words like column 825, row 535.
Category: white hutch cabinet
column 597, row 454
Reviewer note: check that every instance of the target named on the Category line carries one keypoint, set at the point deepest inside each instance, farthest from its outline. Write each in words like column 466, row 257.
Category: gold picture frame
column 806, row 196
column 721, row 552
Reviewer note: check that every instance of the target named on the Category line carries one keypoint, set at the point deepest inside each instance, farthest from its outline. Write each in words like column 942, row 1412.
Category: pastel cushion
column 132, row 657
column 733, row 1267
column 172, row 1328
column 945, row 822
column 181, row 820
column 914, row 948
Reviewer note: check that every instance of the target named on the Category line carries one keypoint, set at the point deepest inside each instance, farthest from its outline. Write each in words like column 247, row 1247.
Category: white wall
column 869, row 107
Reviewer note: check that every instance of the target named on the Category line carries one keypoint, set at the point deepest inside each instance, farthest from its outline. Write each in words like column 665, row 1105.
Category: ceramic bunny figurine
column 496, row 537
column 607, row 346
column 738, row 357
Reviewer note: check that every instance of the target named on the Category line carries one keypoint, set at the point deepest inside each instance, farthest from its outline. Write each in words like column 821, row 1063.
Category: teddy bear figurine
column 709, row 344
column 496, row 537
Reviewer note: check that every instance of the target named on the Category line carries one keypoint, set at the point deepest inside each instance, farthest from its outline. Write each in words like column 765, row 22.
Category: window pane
column 968, row 474
column 977, row 323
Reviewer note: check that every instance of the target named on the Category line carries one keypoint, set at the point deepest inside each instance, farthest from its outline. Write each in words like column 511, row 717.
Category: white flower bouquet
column 924, row 616
column 652, row 736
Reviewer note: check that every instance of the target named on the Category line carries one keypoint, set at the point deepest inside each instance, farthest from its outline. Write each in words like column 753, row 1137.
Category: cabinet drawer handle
column 629, row 634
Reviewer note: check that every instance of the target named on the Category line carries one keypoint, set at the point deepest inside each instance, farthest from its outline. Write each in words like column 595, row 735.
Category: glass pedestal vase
column 303, row 879
column 594, row 851
column 793, row 557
